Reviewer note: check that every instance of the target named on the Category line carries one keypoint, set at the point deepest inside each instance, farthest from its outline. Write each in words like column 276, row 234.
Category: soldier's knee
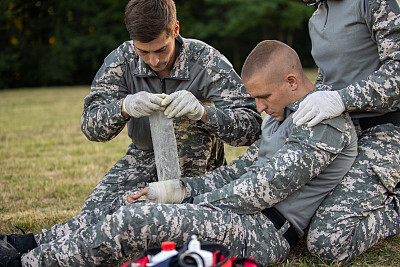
column 328, row 247
column 317, row 248
column 322, row 251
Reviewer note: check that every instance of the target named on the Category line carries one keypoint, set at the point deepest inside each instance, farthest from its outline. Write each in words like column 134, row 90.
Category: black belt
column 279, row 220
column 391, row 117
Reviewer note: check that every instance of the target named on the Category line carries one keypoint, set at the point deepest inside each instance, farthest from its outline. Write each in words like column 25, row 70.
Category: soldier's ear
column 292, row 81
column 176, row 29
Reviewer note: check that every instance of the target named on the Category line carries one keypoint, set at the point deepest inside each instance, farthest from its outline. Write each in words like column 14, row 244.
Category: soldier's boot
column 9, row 256
column 23, row 243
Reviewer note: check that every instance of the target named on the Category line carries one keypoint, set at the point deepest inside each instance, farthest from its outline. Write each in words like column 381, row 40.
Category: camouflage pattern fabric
column 364, row 208
column 228, row 212
column 304, row 161
column 139, row 226
column 200, row 69
column 381, row 89
column 92, row 216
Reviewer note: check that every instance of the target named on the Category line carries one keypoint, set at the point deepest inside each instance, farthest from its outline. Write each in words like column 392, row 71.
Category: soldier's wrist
column 123, row 113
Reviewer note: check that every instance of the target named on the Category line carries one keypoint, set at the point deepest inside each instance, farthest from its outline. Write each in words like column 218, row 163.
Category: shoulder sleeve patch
column 329, row 135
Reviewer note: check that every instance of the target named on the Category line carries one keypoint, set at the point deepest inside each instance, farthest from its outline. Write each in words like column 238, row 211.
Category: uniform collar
column 295, row 105
column 180, row 70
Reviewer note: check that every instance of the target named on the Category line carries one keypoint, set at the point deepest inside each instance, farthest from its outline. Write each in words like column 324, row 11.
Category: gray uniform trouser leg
column 364, row 208
column 138, row 226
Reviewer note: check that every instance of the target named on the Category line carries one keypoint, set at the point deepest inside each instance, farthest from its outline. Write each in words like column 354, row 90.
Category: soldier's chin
column 277, row 117
column 158, row 68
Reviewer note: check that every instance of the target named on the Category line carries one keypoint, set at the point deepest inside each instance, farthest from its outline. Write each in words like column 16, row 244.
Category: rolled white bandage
column 167, row 192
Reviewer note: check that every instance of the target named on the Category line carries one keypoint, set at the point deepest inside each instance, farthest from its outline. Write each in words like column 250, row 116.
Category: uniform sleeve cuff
column 188, row 187
column 211, row 118
column 118, row 114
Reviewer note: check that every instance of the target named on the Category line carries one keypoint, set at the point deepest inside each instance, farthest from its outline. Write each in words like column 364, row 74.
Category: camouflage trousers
column 364, row 208
column 106, row 239
column 137, row 168
column 133, row 171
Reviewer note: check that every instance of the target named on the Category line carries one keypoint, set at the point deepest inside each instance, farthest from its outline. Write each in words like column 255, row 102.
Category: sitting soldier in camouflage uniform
column 259, row 205
column 206, row 99
column 356, row 45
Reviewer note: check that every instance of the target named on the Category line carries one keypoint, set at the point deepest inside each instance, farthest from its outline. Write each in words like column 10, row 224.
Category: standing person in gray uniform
column 259, row 205
column 206, row 98
column 356, row 45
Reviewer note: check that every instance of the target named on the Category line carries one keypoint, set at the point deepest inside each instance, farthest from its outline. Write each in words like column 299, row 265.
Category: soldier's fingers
column 304, row 108
column 309, row 115
column 169, row 98
column 173, row 108
column 317, row 119
column 151, row 106
column 156, row 99
column 184, row 111
column 131, row 198
column 147, row 110
column 135, row 196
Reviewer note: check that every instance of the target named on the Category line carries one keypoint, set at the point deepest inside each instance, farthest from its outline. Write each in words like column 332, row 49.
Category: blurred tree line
column 50, row 42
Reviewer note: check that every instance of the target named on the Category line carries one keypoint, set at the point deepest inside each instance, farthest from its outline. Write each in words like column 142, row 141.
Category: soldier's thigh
column 130, row 173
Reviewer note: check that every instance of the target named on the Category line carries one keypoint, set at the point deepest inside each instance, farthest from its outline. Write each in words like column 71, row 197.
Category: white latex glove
column 142, row 104
column 317, row 107
column 183, row 103
column 168, row 192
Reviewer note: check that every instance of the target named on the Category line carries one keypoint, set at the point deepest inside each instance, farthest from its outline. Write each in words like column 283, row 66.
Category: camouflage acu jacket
column 200, row 69
column 293, row 176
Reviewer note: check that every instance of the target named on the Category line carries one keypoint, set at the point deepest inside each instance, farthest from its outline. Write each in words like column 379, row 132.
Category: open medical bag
column 221, row 258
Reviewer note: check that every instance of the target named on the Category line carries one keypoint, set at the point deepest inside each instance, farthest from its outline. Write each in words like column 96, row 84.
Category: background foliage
column 60, row 42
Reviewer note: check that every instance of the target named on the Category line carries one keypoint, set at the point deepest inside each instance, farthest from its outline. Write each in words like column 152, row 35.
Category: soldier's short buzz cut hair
column 146, row 20
column 264, row 53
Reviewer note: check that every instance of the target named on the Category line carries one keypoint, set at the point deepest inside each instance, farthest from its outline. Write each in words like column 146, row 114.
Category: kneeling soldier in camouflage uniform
column 356, row 45
column 206, row 99
column 259, row 205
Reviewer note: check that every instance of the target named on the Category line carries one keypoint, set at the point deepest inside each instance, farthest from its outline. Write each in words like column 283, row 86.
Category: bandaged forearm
column 167, row 192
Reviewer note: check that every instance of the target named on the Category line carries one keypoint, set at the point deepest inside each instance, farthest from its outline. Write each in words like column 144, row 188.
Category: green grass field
column 48, row 168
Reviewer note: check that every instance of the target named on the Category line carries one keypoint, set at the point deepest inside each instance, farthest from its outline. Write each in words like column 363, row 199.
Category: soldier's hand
column 183, row 103
column 317, row 107
column 141, row 104
column 168, row 192
column 135, row 196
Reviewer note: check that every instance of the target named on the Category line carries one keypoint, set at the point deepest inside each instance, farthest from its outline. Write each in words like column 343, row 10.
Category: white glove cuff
column 201, row 113
column 124, row 105
column 167, row 192
column 338, row 101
